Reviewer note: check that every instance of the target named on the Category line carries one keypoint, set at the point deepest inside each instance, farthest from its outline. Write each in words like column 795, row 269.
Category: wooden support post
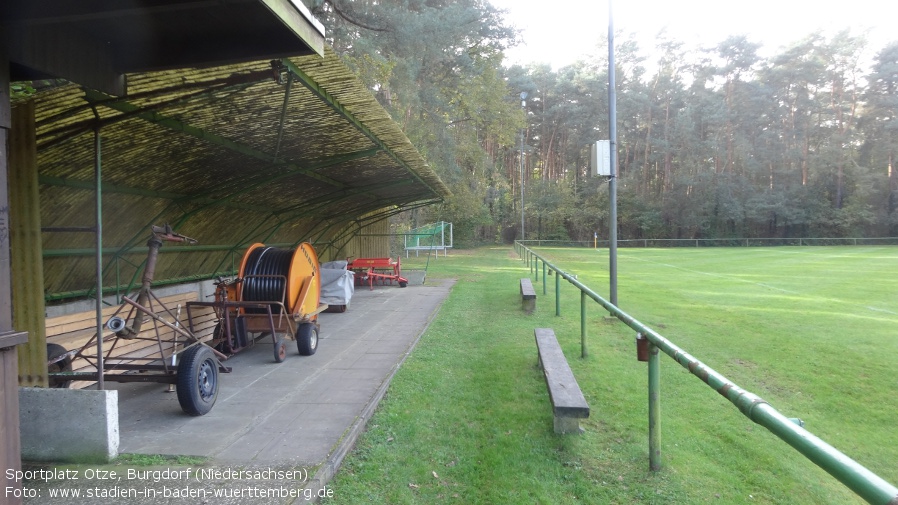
column 10, row 449
column 25, row 247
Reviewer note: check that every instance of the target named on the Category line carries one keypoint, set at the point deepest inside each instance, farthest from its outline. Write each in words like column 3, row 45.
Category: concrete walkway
column 300, row 416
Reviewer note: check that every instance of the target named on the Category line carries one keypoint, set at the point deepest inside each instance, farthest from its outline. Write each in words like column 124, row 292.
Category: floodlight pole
column 612, row 184
column 524, row 109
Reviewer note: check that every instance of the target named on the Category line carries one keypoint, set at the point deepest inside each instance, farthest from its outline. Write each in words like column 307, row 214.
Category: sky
column 561, row 32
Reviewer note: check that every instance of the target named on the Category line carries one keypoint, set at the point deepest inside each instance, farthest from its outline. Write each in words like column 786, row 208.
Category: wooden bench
column 528, row 296
column 73, row 331
column 568, row 403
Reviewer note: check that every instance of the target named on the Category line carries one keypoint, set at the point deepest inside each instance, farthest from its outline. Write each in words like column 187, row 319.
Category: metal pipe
column 120, row 251
column 69, row 229
column 654, row 408
column 277, row 147
column 149, row 271
column 65, row 295
column 132, row 242
column 98, row 178
column 557, row 295
column 118, row 279
column 583, row 351
column 523, row 128
column 863, row 482
column 612, row 184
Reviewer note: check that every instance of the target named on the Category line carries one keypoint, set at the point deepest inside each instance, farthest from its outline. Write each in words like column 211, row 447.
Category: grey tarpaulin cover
column 337, row 283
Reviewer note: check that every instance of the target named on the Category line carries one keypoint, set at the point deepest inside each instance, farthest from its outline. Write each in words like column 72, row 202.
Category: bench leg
column 567, row 425
column 528, row 306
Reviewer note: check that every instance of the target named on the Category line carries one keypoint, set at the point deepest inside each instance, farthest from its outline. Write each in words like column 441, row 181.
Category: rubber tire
column 339, row 309
column 403, row 284
column 306, row 339
column 54, row 351
column 197, row 380
column 280, row 350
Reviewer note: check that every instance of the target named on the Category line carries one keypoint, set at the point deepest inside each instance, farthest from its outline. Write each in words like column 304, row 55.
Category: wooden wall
column 372, row 241
column 10, row 446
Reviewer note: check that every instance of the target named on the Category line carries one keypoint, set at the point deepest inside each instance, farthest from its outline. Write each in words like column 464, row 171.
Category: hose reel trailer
column 265, row 270
column 276, row 293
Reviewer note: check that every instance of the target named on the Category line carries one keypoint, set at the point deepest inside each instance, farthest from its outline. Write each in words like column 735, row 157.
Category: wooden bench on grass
column 528, row 296
column 73, row 331
column 568, row 403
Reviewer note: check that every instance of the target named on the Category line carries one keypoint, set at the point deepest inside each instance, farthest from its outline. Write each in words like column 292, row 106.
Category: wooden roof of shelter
column 275, row 151
column 96, row 42
column 230, row 155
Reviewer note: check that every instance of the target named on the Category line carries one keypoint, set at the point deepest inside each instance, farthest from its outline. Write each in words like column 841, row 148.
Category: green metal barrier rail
column 716, row 242
column 855, row 476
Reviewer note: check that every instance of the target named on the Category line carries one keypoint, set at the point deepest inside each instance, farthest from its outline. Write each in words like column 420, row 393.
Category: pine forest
column 712, row 142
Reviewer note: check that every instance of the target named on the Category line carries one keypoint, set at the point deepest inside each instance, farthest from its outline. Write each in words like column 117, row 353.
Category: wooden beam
column 10, row 449
column 26, row 258
column 297, row 18
column 59, row 51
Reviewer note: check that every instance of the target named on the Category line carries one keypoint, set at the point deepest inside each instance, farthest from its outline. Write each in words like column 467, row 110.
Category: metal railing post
column 544, row 277
column 98, row 181
column 557, row 293
column 118, row 279
column 654, row 408
column 583, row 351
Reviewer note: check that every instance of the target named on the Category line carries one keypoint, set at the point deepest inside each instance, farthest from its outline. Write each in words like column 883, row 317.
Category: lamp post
column 612, row 185
column 524, row 109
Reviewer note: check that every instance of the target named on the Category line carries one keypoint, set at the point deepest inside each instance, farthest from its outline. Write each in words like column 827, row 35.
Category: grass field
column 811, row 330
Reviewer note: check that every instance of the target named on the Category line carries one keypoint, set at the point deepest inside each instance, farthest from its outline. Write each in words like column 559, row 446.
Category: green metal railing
column 855, row 476
column 717, row 242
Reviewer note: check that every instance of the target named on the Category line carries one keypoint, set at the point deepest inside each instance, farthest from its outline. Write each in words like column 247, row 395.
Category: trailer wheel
column 306, row 339
column 337, row 308
column 403, row 284
column 197, row 380
column 280, row 350
column 55, row 351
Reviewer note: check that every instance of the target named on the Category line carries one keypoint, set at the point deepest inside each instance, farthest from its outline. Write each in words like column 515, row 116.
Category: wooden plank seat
column 528, row 296
column 73, row 331
column 568, row 403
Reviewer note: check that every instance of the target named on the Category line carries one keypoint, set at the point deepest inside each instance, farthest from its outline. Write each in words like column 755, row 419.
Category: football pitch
column 811, row 330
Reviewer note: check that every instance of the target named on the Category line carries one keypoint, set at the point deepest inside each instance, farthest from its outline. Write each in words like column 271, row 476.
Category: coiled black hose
column 266, row 261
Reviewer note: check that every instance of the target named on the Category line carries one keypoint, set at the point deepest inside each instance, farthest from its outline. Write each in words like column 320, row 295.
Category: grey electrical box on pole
column 600, row 158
